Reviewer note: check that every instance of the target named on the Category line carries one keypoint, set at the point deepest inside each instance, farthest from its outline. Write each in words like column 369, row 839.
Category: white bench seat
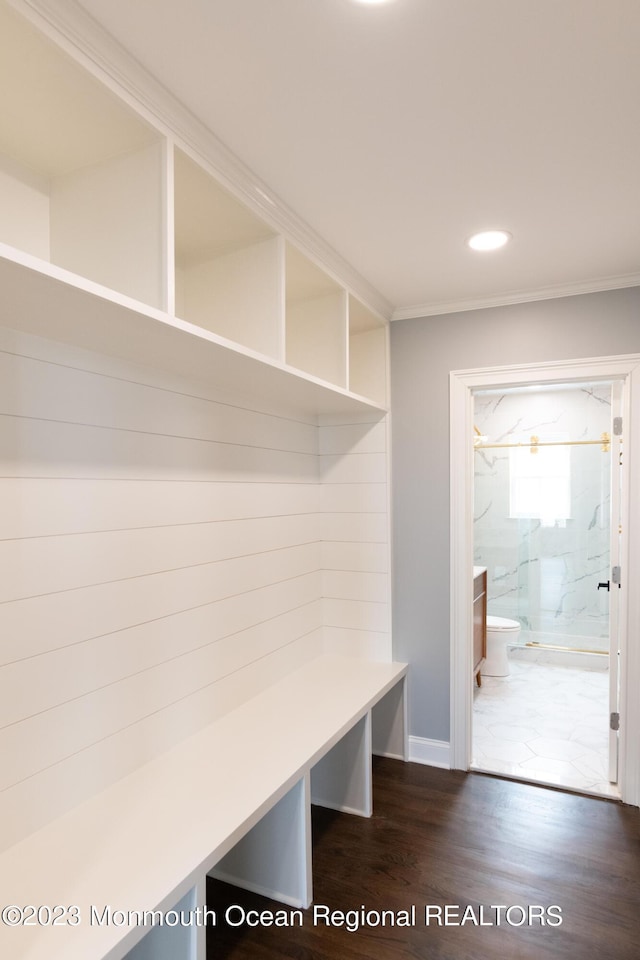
column 150, row 839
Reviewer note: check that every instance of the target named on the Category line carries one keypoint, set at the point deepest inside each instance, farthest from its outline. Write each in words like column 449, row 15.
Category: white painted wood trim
column 168, row 265
column 617, row 626
column 461, row 573
column 629, row 752
column 519, row 296
column 462, row 382
column 432, row 753
column 281, row 305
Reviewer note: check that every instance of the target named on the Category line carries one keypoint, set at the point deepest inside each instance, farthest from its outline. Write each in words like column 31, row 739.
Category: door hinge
column 617, row 426
column 614, row 721
column 616, row 577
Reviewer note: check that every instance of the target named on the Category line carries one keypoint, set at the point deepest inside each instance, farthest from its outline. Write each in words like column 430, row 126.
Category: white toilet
column 500, row 632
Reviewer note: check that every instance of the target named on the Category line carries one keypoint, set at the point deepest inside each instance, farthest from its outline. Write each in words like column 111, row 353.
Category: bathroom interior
column 543, row 554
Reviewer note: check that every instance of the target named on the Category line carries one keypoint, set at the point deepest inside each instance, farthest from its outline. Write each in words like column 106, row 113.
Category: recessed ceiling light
column 489, row 240
column 371, row 3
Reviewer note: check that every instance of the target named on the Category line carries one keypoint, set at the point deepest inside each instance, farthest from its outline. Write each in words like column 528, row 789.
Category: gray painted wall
column 423, row 352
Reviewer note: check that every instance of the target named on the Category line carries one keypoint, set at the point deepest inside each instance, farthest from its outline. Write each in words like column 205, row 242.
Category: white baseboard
column 433, row 753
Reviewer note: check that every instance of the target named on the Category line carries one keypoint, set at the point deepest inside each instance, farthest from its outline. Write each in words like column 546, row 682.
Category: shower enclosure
column 542, row 496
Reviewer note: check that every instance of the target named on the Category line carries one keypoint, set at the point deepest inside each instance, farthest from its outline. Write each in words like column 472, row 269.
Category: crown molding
column 517, row 296
column 72, row 28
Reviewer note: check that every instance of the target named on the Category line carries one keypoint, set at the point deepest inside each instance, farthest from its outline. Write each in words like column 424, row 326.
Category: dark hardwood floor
column 440, row 837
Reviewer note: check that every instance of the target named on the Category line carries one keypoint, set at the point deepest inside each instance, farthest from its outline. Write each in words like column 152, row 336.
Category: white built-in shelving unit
column 194, row 493
column 138, row 250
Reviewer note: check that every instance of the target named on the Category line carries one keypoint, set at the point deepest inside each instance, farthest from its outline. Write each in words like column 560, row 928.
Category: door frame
column 462, row 384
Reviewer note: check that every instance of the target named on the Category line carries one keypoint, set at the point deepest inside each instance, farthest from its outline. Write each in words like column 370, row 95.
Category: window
column 540, row 483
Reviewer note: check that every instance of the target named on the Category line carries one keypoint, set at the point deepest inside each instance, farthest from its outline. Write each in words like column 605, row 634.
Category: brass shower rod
column 535, row 443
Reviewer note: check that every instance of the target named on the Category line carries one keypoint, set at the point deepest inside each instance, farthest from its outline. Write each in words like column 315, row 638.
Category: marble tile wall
column 544, row 564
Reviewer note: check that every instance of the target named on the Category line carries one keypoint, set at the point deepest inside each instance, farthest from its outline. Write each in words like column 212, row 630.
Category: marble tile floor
column 545, row 723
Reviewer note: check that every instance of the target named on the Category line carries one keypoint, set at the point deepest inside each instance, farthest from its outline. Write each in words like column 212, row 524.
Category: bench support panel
column 274, row 857
column 389, row 724
column 341, row 780
column 173, row 942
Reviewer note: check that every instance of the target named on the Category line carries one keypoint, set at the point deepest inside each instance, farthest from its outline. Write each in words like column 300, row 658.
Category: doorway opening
column 625, row 665
column 546, row 521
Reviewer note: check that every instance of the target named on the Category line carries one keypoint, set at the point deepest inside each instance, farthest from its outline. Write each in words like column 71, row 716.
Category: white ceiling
column 396, row 131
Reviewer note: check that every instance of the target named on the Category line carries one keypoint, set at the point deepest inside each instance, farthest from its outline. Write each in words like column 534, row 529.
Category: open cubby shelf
column 227, row 261
column 315, row 320
column 80, row 172
column 115, row 238
column 367, row 353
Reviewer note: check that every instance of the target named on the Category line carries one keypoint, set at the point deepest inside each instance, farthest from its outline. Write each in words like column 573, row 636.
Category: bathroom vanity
column 479, row 620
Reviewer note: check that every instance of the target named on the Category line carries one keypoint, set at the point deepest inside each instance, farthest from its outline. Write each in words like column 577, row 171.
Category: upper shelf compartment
column 228, row 263
column 316, row 320
column 80, row 173
column 367, row 353
column 115, row 239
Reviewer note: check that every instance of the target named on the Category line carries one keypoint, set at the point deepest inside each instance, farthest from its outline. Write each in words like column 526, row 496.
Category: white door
column 616, row 585
column 463, row 383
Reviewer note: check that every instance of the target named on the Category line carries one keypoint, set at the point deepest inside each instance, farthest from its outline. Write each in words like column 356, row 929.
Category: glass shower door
column 564, row 544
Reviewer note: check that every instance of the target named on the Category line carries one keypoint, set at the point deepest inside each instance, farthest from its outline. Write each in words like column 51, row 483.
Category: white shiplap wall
column 161, row 559
column 355, row 537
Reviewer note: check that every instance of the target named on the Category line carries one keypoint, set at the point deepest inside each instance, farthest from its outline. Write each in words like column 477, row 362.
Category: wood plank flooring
column 438, row 838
